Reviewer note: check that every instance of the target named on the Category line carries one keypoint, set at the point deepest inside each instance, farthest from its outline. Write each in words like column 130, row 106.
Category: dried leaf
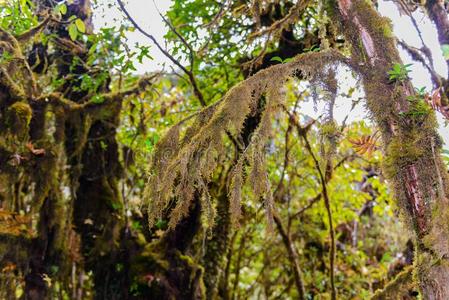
column 37, row 152
column 365, row 144
column 435, row 102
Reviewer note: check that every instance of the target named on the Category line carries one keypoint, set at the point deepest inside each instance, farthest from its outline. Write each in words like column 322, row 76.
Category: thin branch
column 181, row 38
column 302, row 133
column 291, row 16
column 416, row 55
column 58, row 98
column 218, row 16
column 406, row 9
column 189, row 73
column 293, row 256
column 33, row 31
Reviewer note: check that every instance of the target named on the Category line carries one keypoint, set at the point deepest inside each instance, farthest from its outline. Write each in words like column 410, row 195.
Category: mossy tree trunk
column 217, row 246
column 411, row 144
column 95, row 172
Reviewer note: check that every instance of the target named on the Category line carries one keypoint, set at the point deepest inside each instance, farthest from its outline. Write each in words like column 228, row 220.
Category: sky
column 144, row 12
column 147, row 16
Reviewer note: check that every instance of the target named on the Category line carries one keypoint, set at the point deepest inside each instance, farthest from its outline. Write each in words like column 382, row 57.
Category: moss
column 196, row 274
column 329, row 129
column 396, row 288
column 401, row 152
column 435, row 239
column 380, row 28
column 18, row 118
column 151, row 258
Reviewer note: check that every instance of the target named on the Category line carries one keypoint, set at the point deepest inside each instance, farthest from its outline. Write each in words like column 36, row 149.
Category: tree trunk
column 217, row 246
column 411, row 144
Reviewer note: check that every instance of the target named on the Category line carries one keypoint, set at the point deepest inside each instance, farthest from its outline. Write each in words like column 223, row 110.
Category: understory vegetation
column 236, row 172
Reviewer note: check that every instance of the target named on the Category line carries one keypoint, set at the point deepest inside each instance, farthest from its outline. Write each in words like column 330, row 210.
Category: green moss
column 151, row 259
column 328, row 129
column 380, row 28
column 401, row 152
column 397, row 287
column 18, row 118
column 196, row 273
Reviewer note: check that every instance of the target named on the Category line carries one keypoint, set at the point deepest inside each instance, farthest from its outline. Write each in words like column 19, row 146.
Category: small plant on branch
column 399, row 72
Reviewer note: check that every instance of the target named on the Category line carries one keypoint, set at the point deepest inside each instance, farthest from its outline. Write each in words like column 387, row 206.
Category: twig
column 181, row 38
column 324, row 193
column 416, row 55
column 189, row 73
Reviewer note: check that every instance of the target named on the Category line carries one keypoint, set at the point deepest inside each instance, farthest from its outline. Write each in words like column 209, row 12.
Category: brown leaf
column 435, row 102
column 365, row 144
column 37, row 152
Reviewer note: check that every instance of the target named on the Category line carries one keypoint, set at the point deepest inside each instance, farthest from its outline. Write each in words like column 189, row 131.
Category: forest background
column 278, row 149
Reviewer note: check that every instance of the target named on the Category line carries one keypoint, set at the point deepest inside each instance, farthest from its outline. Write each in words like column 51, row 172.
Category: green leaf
column 73, row 31
column 445, row 50
column 161, row 224
column 62, row 8
column 97, row 99
column 80, row 25
column 276, row 58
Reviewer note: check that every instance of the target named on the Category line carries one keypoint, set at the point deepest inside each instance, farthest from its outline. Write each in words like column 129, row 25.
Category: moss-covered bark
column 411, row 144
column 165, row 269
column 217, row 246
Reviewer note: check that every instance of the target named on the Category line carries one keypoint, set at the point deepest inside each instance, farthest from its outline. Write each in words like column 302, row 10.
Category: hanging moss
column 191, row 164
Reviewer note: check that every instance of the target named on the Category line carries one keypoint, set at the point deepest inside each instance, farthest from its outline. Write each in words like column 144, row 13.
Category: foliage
column 399, row 72
column 118, row 185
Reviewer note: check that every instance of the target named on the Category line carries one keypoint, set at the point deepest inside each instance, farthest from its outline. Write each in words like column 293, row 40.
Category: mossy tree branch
column 394, row 289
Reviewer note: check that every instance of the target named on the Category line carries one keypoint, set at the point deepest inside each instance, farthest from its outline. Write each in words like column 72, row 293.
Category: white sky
column 144, row 12
column 146, row 15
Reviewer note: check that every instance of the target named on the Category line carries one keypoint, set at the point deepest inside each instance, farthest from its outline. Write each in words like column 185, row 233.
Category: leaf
column 37, row 152
column 73, row 31
column 80, row 25
column 62, row 8
column 434, row 101
column 445, row 50
column 97, row 99
column 276, row 58
column 365, row 144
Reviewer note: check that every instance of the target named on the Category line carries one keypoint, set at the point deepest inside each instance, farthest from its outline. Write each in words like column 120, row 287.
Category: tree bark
column 217, row 246
column 411, row 144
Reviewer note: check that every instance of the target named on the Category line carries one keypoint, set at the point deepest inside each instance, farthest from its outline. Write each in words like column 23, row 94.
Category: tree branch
column 400, row 284
column 189, row 73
